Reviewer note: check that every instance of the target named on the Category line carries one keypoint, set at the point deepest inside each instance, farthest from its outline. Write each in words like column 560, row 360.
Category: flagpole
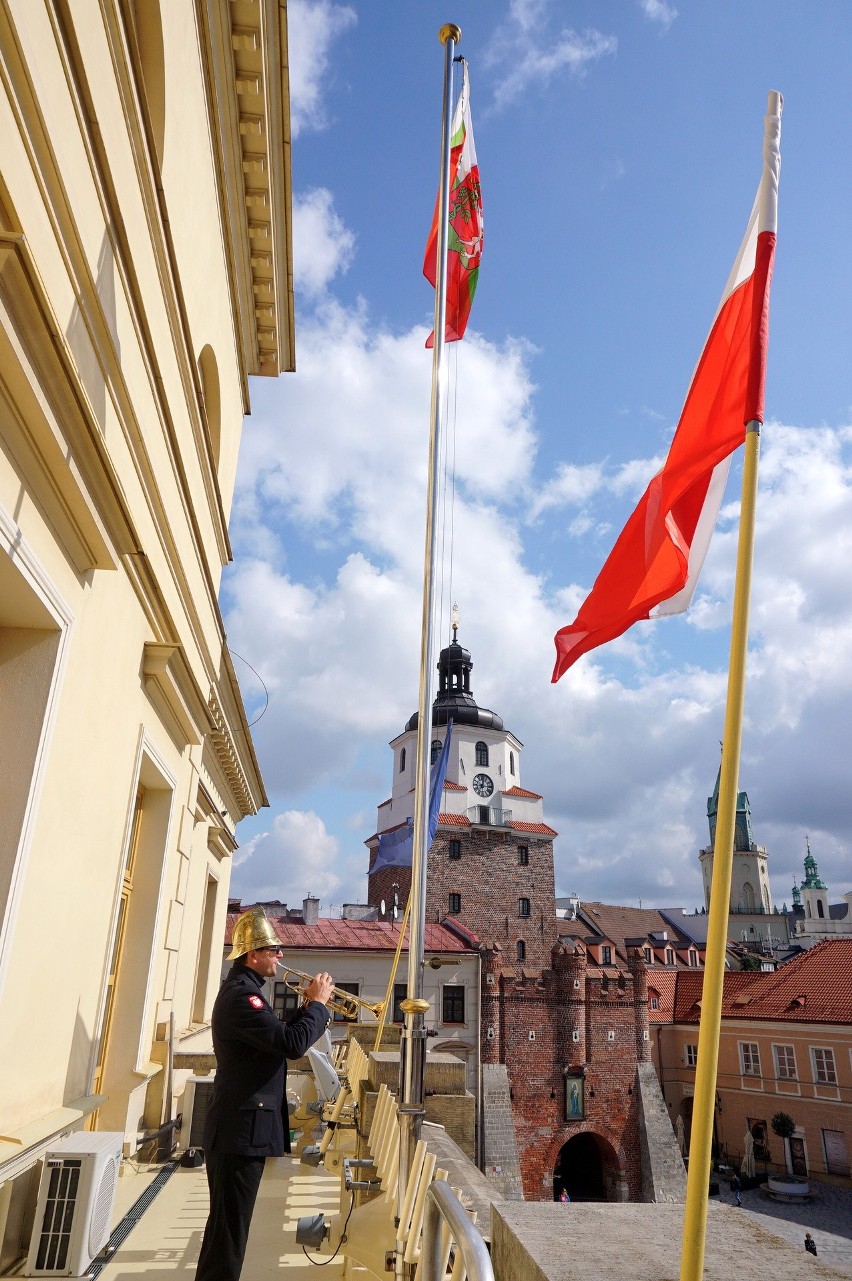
column 414, row 1007
column 701, row 1136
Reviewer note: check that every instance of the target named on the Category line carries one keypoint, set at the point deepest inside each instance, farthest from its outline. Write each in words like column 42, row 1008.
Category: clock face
column 482, row 785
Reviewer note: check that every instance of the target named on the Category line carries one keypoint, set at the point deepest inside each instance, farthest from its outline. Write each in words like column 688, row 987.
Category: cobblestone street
column 827, row 1215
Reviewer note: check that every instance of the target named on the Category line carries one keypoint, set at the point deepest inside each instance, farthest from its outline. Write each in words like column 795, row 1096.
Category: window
column 284, row 1001
column 436, row 749
column 693, row 957
column 399, row 994
column 455, row 849
column 749, row 1058
column 669, row 956
column 402, row 761
column 523, row 855
column 512, row 764
column 523, row 907
column 825, row 1073
column 352, row 989
column 691, row 1055
column 481, row 753
column 606, row 955
column 646, row 952
column 454, row 904
column 654, row 1002
column 785, row 1062
column 453, row 1003
column 522, row 950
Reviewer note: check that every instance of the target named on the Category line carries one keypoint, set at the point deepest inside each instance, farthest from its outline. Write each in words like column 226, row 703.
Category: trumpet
column 346, row 1004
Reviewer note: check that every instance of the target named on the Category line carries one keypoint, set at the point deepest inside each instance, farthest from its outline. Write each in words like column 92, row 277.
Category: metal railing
column 443, row 1204
column 489, row 816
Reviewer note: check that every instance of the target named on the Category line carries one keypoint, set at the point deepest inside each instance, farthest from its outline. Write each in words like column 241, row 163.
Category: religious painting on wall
column 575, row 1098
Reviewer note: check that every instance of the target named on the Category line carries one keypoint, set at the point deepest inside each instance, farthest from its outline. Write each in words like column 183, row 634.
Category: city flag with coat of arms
column 464, row 249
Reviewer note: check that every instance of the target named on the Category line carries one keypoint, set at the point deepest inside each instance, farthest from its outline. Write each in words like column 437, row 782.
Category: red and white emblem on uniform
column 256, row 1002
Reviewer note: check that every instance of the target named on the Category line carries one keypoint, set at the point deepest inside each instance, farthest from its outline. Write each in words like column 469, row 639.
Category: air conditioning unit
column 197, row 1094
column 73, row 1217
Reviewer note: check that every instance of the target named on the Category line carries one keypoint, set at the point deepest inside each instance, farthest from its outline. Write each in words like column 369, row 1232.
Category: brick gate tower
column 491, row 864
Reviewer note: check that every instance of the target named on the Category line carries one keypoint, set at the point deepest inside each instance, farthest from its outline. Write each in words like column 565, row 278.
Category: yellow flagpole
column 701, row 1139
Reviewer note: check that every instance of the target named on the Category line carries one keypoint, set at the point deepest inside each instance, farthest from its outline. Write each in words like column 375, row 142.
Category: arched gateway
column 587, row 1168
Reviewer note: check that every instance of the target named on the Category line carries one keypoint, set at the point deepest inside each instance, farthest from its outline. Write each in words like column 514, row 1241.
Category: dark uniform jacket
column 248, row 1111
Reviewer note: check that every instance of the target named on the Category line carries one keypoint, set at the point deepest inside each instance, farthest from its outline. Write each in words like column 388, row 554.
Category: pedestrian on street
column 810, row 1244
column 248, row 1119
column 736, row 1188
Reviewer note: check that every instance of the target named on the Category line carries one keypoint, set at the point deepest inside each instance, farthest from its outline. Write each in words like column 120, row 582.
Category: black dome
column 454, row 701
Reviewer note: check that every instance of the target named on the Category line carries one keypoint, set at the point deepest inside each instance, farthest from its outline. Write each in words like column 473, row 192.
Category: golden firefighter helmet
column 252, row 930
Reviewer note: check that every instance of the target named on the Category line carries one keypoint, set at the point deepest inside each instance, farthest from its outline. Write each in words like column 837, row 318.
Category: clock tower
column 750, row 890
column 490, row 867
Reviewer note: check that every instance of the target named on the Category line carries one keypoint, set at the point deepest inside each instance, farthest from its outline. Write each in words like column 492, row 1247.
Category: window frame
column 480, row 752
column 454, row 848
column 824, row 1050
column 606, row 954
column 789, row 1053
column 690, row 1055
column 521, row 950
column 749, row 1052
column 523, row 855
column 524, row 908
column 290, row 1004
column 453, row 904
column 453, row 1000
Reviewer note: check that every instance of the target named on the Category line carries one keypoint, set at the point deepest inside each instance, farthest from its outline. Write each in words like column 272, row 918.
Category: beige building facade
column 145, row 275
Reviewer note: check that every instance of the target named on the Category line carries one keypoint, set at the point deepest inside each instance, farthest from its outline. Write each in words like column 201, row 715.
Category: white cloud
column 312, row 27
column 295, row 858
column 323, row 246
column 525, row 52
column 659, row 11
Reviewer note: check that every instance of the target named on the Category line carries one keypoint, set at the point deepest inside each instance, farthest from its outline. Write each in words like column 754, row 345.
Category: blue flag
column 396, row 849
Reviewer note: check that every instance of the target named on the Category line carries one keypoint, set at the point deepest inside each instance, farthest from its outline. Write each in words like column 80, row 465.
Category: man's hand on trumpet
column 320, row 988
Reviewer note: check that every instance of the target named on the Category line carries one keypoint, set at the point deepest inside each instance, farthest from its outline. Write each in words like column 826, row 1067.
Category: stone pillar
column 491, row 1041
column 639, row 970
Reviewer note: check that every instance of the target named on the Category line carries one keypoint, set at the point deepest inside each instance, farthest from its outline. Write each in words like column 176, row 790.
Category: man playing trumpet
column 248, row 1119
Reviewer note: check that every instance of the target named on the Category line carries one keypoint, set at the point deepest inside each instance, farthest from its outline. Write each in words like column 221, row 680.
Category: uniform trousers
column 233, row 1181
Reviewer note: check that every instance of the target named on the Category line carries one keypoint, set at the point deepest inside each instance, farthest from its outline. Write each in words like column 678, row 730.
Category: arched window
column 212, row 401
column 512, row 764
column 402, row 761
column 436, row 749
column 820, row 911
column 522, row 950
column 482, row 753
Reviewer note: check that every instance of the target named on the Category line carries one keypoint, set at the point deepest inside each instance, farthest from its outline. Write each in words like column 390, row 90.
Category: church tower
column 813, row 890
column 750, row 890
column 490, row 867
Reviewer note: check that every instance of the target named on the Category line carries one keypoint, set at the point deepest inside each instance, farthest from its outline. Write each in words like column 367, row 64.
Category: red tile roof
column 360, row 936
column 815, row 987
column 453, row 820
column 521, row 791
column 453, row 787
column 537, row 829
column 661, row 983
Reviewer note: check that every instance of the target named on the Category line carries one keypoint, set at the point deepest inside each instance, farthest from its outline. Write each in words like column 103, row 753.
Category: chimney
column 310, row 910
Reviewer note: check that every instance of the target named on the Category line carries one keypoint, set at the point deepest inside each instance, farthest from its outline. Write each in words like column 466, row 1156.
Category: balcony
column 489, row 816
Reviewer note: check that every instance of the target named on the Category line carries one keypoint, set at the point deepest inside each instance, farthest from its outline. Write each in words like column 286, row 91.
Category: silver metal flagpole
column 414, row 1007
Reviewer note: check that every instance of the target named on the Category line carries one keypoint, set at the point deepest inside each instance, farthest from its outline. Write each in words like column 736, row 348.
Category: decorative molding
column 226, row 755
column 172, row 689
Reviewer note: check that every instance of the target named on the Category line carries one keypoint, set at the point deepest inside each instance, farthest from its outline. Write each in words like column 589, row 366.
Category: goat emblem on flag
column 465, row 239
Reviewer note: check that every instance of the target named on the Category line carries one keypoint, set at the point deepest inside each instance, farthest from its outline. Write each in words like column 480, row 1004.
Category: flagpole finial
column 449, row 31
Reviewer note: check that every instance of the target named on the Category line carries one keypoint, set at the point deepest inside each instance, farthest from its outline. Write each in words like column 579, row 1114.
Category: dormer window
column 693, row 957
column 646, row 952
column 606, row 955
column 402, row 761
column 669, row 956
column 481, row 753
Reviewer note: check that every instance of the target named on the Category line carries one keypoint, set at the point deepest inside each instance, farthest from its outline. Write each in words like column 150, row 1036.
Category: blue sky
column 619, row 150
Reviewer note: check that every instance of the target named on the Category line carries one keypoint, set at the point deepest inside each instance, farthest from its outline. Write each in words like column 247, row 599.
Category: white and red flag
column 654, row 566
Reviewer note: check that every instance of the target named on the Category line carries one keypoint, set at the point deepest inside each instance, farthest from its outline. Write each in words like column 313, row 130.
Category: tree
column 785, row 1127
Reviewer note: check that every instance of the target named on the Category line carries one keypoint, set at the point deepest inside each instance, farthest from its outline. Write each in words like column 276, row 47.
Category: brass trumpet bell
column 345, row 1004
